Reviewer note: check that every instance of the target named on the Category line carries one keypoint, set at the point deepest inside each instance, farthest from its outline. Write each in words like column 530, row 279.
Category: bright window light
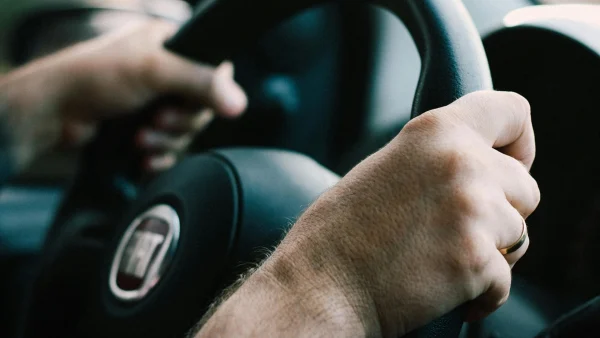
column 581, row 13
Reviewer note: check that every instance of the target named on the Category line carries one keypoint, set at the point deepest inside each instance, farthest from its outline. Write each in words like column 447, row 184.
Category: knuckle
column 517, row 102
column 536, row 195
column 476, row 99
column 487, row 97
column 515, row 166
column 465, row 201
column 519, row 110
column 427, row 123
column 480, row 95
column 470, row 259
column 532, row 195
column 529, row 194
column 458, row 163
column 471, row 202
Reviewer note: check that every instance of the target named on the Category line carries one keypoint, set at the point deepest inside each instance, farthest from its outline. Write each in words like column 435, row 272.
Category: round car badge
column 144, row 253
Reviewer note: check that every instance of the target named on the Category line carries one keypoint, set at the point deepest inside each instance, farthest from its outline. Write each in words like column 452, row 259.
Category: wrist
column 319, row 268
column 288, row 297
column 327, row 299
column 29, row 115
column 346, row 263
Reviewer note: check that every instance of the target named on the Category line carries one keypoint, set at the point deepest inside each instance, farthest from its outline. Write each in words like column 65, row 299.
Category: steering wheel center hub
column 144, row 253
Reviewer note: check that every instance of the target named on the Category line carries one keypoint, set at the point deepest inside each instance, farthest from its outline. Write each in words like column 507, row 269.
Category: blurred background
column 33, row 28
column 11, row 12
column 27, row 31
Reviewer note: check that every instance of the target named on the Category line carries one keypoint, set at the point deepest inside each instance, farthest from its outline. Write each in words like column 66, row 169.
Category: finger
column 504, row 225
column 514, row 257
column 158, row 163
column 214, row 88
column 520, row 188
column 498, row 275
column 503, row 119
column 177, row 121
column 157, row 141
column 159, row 30
column 510, row 229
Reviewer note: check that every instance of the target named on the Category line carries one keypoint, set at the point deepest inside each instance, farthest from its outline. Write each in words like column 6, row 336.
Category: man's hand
column 62, row 97
column 408, row 235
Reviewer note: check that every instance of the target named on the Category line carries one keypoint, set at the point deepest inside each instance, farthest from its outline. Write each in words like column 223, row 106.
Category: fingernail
column 202, row 120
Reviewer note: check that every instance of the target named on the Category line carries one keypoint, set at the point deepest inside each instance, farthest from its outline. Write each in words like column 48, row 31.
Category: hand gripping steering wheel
column 197, row 226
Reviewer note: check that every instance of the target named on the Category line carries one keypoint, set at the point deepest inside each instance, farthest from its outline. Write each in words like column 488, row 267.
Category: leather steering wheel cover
column 454, row 64
column 453, row 58
column 275, row 186
column 230, row 202
column 206, row 239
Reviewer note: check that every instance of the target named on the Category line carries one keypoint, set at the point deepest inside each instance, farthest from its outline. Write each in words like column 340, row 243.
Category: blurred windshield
column 570, row 1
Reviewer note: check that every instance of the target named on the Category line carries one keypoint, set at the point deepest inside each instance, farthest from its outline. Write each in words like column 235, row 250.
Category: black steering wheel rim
column 452, row 54
column 452, row 57
column 453, row 61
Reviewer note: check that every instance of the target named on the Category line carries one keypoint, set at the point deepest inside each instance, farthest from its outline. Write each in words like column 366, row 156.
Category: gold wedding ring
column 518, row 244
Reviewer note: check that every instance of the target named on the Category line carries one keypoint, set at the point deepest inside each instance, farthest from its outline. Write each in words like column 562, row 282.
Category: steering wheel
column 196, row 227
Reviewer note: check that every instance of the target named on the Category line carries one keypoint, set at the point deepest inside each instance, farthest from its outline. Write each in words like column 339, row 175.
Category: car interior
column 329, row 83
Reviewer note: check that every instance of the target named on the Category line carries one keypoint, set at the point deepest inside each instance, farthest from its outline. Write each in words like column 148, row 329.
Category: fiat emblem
column 144, row 253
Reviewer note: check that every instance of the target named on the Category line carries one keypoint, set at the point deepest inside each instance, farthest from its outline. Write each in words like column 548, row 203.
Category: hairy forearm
column 29, row 108
column 287, row 297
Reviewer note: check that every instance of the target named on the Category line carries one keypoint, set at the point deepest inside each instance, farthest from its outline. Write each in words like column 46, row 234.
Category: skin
column 60, row 99
column 409, row 234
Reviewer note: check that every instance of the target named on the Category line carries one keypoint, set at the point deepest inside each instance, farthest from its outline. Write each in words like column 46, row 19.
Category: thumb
column 503, row 119
column 226, row 95
column 214, row 88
